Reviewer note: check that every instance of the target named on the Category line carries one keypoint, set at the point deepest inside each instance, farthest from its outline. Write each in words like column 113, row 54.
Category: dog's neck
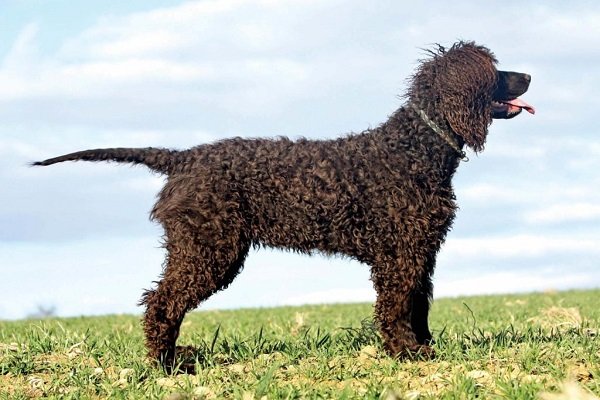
column 449, row 138
column 440, row 161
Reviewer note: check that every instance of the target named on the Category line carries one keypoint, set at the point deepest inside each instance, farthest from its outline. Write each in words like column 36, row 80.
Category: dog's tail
column 159, row 160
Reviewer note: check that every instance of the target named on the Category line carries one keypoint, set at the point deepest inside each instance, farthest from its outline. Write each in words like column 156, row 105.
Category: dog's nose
column 527, row 77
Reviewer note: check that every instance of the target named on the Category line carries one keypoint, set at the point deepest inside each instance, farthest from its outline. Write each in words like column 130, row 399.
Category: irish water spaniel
column 383, row 197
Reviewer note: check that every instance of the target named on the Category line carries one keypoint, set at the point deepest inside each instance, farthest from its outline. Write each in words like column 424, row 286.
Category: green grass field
column 518, row 346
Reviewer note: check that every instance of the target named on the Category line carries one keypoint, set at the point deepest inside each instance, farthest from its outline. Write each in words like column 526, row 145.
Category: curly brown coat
column 383, row 197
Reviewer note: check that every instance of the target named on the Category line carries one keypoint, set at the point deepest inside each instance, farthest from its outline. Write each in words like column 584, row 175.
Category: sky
column 79, row 75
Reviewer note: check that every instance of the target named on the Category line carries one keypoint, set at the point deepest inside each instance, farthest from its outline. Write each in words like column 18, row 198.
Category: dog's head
column 505, row 100
column 461, row 88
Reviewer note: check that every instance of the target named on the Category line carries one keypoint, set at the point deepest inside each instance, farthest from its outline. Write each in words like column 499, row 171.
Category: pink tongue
column 521, row 104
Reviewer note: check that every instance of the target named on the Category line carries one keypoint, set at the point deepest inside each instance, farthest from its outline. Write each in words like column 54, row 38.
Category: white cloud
column 166, row 52
column 481, row 283
column 337, row 295
column 23, row 51
column 485, row 192
column 19, row 148
column 151, row 184
column 78, row 277
column 188, row 43
column 519, row 246
column 522, row 150
column 134, row 70
column 567, row 212
column 534, row 195
column 138, row 43
column 511, row 282
column 150, row 33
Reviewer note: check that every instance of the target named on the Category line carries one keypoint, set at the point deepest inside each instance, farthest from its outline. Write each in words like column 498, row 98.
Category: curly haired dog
column 383, row 197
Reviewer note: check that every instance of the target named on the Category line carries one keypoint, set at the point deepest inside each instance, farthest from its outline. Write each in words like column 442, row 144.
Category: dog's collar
column 448, row 138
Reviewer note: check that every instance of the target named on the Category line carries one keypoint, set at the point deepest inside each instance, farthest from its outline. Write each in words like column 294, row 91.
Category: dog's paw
column 415, row 352
column 185, row 359
column 181, row 360
column 419, row 352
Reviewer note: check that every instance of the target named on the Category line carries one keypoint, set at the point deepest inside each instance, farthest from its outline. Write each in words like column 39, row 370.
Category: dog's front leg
column 421, row 302
column 396, row 282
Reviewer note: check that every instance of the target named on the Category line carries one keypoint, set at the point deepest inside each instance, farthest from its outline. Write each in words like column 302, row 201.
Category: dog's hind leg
column 194, row 270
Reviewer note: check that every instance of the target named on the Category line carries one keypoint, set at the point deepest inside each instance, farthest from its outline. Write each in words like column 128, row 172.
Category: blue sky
column 177, row 74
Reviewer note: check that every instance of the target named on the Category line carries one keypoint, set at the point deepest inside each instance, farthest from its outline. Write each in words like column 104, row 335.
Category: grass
column 518, row 347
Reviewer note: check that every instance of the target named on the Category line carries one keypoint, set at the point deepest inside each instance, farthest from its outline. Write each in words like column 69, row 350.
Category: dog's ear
column 465, row 81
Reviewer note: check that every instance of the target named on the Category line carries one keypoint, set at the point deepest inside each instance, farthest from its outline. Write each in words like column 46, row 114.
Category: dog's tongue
column 521, row 104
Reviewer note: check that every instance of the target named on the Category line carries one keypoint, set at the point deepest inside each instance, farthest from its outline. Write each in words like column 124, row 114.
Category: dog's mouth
column 507, row 109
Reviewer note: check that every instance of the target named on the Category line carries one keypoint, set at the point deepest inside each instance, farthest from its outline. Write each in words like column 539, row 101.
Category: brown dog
column 383, row 197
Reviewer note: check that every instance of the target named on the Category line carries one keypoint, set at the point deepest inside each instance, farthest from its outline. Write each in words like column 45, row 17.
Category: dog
column 382, row 196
